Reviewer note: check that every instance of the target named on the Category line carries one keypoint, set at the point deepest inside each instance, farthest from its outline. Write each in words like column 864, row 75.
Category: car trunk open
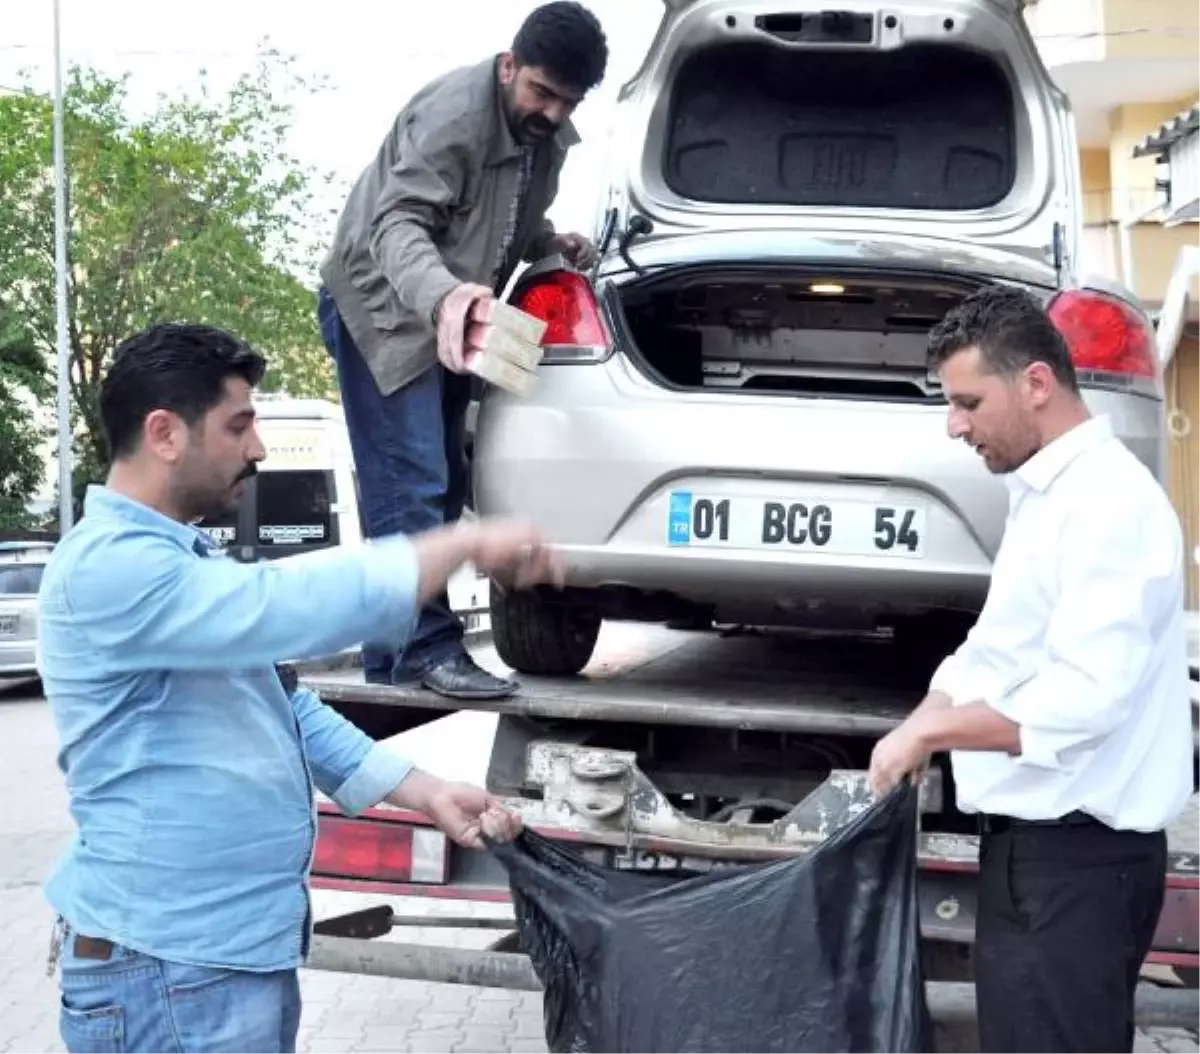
column 775, row 329
column 928, row 126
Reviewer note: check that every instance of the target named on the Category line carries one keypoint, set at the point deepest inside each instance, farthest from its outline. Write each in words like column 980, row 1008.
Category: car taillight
column 382, row 852
column 1106, row 335
column 575, row 330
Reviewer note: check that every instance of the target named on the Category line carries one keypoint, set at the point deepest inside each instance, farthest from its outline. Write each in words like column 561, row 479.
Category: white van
column 305, row 494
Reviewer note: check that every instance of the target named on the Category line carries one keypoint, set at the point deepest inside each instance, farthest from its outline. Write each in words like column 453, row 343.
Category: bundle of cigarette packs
column 504, row 346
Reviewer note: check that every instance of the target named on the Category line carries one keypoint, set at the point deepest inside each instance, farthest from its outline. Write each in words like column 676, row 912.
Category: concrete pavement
column 342, row 1012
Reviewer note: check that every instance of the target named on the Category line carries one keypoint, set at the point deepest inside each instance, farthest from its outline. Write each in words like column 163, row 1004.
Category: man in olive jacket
column 455, row 199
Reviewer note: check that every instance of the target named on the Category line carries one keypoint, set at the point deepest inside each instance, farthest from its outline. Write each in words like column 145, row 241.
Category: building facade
column 1129, row 68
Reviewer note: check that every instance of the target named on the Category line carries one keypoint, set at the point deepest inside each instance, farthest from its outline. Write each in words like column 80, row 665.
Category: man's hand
column 915, row 726
column 462, row 811
column 515, row 554
column 578, row 250
column 451, row 317
column 902, row 752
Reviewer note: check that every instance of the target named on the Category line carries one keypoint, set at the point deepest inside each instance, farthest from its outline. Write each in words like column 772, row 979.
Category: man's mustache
column 251, row 469
column 539, row 125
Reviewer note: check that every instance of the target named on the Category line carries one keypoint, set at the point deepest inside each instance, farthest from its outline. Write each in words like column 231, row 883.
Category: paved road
column 342, row 1012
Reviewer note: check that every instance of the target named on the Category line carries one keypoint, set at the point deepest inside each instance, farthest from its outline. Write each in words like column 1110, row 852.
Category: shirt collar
column 1048, row 463
column 104, row 502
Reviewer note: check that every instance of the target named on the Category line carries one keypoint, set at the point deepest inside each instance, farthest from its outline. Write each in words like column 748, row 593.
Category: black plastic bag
column 813, row 953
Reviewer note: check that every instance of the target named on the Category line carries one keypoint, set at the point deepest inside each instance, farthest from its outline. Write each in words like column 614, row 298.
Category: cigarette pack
column 487, row 336
column 513, row 319
column 499, row 371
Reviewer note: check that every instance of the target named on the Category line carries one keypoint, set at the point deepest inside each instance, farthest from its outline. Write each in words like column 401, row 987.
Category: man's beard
column 534, row 128
column 207, row 504
column 529, row 128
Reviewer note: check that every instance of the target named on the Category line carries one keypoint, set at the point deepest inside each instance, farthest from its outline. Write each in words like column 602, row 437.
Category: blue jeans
column 133, row 1002
column 410, row 458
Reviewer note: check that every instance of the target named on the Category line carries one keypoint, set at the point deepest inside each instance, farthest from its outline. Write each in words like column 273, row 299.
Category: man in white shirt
column 1066, row 709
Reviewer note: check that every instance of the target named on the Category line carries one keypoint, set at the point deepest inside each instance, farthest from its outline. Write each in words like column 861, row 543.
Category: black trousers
column 1066, row 917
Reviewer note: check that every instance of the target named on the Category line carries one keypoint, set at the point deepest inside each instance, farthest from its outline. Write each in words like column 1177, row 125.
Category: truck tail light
column 1110, row 340
column 378, row 851
column 575, row 329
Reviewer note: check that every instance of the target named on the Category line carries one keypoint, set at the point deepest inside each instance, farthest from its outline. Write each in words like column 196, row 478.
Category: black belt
column 990, row 824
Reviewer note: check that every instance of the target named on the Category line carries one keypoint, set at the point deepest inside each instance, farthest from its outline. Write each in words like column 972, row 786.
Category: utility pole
column 66, row 510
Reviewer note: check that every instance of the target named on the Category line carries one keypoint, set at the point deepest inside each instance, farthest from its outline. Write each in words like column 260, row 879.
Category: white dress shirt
column 1082, row 643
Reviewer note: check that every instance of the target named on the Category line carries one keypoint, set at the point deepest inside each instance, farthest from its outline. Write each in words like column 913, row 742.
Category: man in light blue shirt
column 190, row 766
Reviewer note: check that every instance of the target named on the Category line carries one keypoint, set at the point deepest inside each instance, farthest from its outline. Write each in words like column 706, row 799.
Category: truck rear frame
column 603, row 802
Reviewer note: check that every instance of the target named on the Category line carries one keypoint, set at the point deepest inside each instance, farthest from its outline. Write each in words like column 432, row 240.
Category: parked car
column 735, row 415
column 21, row 568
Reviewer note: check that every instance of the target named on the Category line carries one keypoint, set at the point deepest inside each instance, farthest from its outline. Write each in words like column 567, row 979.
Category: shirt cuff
column 1040, row 748
column 433, row 291
column 379, row 774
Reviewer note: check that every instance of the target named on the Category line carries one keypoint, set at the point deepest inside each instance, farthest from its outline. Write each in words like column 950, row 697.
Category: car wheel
column 540, row 635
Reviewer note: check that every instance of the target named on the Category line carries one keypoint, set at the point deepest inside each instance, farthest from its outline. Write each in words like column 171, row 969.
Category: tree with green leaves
column 194, row 212
column 23, row 385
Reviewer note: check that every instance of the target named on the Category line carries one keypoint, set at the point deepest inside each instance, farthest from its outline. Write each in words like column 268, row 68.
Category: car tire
column 541, row 635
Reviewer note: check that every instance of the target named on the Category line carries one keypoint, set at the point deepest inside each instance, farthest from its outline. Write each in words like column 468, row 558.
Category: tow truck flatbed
column 602, row 800
column 788, row 682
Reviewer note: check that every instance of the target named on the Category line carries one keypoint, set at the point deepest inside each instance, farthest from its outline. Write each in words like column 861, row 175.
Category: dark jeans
column 1066, row 918
column 410, row 458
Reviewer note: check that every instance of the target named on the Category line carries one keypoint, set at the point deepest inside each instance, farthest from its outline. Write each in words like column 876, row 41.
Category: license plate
column 8, row 625
column 842, row 528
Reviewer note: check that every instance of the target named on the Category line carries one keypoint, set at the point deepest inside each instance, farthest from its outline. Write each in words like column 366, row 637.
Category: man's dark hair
column 171, row 366
column 564, row 39
column 1011, row 330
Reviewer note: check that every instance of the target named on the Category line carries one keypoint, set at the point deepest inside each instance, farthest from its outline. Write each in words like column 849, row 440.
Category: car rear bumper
column 597, row 453
column 18, row 658
column 783, row 585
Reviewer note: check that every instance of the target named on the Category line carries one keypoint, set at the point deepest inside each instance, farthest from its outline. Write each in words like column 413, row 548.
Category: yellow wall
column 1151, row 29
column 1118, row 186
column 1154, row 252
column 1097, row 186
column 1183, row 479
column 1132, row 178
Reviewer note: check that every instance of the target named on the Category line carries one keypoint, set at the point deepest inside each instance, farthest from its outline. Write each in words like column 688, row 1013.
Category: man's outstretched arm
column 156, row 606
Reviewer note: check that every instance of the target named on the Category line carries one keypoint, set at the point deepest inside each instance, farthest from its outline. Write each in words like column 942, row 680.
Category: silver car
column 735, row 419
column 21, row 568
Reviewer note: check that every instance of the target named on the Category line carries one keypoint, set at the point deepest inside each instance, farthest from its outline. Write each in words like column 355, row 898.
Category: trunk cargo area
column 784, row 330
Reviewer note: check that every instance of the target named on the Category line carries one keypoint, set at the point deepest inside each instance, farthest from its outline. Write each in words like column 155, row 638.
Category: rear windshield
column 20, row 579
column 294, row 508
column 922, row 127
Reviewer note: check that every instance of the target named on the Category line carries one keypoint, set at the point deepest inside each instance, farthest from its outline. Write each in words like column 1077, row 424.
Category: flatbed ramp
column 788, row 681
column 783, row 681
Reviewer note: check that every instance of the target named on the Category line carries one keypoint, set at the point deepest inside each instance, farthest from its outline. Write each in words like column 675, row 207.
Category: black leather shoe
column 460, row 678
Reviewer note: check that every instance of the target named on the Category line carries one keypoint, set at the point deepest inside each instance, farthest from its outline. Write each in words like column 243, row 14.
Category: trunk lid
column 897, row 119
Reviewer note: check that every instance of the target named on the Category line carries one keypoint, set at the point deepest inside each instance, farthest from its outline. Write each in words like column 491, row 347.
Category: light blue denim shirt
column 189, row 769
